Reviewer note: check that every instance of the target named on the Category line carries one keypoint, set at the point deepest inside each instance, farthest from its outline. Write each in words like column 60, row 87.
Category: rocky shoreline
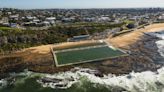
column 144, row 56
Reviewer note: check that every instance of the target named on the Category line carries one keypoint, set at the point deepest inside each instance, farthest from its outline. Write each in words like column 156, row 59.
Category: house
column 51, row 20
column 14, row 17
column 103, row 19
column 36, row 20
column 14, row 25
column 30, row 17
column 71, row 19
column 46, row 23
column 78, row 38
column 4, row 21
column 161, row 18
column 89, row 19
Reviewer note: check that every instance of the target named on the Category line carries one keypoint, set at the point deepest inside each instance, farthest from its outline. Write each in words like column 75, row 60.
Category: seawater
column 146, row 81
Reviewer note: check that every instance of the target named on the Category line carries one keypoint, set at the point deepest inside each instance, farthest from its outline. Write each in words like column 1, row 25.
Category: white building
column 51, row 20
column 103, row 19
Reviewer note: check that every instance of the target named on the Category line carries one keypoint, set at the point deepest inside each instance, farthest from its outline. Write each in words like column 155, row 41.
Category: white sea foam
column 3, row 83
column 134, row 82
column 160, row 44
column 147, row 81
column 160, row 35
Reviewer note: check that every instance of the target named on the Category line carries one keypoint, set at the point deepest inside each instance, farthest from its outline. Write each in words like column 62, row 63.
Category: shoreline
column 125, row 40
column 39, row 59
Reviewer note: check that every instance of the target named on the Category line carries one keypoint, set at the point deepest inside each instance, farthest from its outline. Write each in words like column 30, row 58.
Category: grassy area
column 57, row 34
column 5, row 31
column 90, row 24
column 9, row 28
column 80, row 56
column 16, row 46
column 128, row 21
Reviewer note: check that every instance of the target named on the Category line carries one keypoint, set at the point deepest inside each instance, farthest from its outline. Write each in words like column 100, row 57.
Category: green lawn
column 79, row 56
column 9, row 28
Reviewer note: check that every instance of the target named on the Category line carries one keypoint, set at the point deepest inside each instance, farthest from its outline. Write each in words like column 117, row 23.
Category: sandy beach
column 123, row 41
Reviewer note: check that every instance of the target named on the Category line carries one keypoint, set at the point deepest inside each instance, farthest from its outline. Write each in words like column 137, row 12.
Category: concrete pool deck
column 80, row 60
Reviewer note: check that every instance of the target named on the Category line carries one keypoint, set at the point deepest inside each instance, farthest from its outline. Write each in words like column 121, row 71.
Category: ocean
column 85, row 80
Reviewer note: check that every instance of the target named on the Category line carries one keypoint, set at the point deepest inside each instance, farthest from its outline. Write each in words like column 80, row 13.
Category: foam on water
column 3, row 83
column 160, row 44
column 24, row 75
column 134, row 82
column 147, row 81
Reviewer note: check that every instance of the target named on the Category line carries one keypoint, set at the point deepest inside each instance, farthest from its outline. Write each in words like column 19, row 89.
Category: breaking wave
column 160, row 43
column 134, row 82
column 3, row 83
column 147, row 81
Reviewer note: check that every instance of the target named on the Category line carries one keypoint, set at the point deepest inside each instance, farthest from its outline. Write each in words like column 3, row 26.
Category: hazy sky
column 29, row 4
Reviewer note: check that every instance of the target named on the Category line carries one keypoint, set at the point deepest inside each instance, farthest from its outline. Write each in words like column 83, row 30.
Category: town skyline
column 80, row 4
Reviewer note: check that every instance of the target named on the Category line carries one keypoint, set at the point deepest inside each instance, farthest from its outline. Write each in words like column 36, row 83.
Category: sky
column 42, row 4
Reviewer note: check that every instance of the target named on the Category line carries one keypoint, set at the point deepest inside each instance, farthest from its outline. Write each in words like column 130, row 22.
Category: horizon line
column 81, row 8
